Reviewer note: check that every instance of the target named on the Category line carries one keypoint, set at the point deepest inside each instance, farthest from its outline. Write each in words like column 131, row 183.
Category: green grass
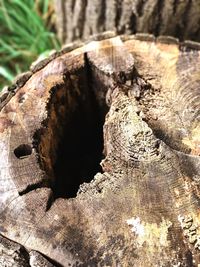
column 25, row 33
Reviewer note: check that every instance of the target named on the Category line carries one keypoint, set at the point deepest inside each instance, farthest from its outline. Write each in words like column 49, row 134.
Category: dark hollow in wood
column 143, row 208
column 23, row 151
column 72, row 137
column 79, row 153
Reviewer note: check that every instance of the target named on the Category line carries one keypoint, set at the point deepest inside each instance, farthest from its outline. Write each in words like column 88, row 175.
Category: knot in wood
column 136, row 141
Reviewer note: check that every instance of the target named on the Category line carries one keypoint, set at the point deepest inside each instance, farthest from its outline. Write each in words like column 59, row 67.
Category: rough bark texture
column 77, row 19
column 137, row 100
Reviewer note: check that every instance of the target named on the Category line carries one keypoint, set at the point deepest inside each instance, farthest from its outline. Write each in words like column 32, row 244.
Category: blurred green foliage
column 26, row 31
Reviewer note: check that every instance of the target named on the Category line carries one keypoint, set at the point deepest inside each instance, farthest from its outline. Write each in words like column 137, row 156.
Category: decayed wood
column 80, row 19
column 143, row 209
column 13, row 254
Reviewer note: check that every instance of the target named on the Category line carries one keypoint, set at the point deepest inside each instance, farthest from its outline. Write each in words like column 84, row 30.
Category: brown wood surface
column 142, row 208
column 78, row 19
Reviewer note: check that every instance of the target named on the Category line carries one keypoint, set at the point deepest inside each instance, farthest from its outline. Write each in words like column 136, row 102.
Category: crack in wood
column 143, row 178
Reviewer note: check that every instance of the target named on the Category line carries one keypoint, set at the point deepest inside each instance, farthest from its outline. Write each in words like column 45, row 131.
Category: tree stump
column 99, row 162
column 82, row 18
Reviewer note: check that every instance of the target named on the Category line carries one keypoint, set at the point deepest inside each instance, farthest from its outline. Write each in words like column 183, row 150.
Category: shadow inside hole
column 22, row 151
column 80, row 152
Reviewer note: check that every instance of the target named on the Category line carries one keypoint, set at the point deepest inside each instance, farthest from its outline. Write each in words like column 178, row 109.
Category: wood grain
column 142, row 207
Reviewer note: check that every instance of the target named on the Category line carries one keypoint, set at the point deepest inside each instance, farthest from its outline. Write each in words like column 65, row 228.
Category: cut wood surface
column 131, row 103
column 78, row 19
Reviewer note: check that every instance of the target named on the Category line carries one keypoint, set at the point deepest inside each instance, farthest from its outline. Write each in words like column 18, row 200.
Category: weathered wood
column 80, row 19
column 13, row 254
column 142, row 209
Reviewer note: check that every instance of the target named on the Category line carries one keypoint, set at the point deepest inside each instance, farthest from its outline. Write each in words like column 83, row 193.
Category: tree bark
column 137, row 101
column 80, row 19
